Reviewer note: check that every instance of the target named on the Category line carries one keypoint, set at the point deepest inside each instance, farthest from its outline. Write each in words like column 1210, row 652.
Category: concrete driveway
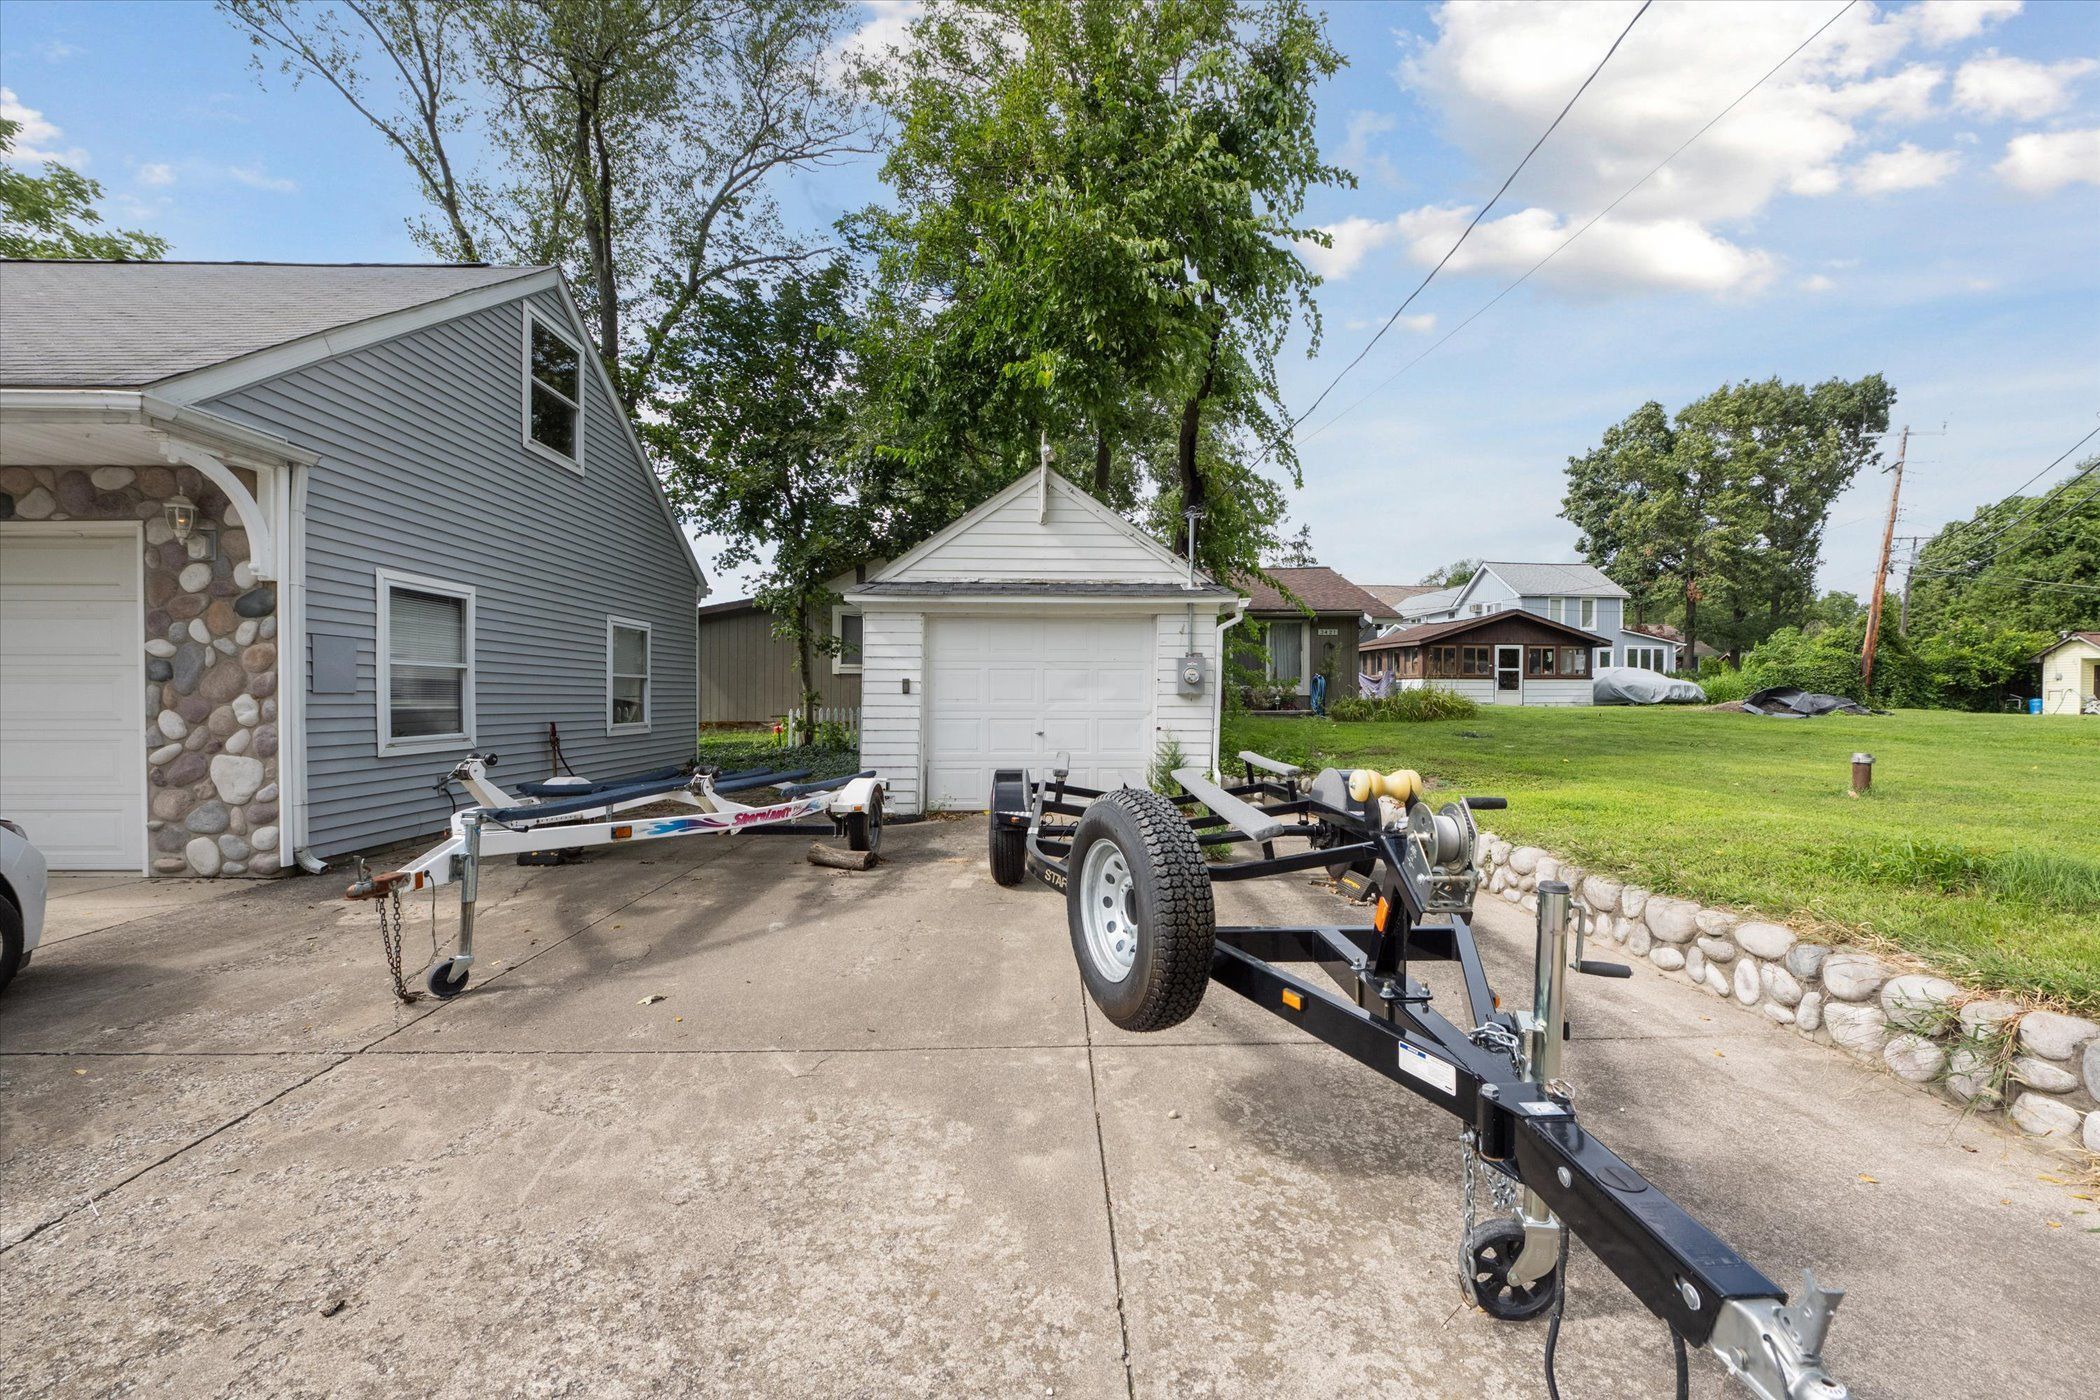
column 873, row 1141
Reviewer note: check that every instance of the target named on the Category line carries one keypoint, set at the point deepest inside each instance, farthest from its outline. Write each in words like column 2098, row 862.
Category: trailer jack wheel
column 443, row 984
column 1492, row 1247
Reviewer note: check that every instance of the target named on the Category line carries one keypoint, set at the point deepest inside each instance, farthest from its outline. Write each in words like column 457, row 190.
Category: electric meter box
column 1195, row 669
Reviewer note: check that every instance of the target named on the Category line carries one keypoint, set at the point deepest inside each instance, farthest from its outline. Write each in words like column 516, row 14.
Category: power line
column 1482, row 214
column 2071, row 480
column 1557, row 251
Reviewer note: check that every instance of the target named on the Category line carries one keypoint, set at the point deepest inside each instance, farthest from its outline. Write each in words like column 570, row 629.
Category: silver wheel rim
column 1106, row 909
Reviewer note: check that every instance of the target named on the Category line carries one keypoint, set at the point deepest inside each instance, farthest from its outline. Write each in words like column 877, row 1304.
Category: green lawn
column 1978, row 850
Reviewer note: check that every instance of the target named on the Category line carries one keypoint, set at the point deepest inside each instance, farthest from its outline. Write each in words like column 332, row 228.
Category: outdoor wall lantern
column 182, row 521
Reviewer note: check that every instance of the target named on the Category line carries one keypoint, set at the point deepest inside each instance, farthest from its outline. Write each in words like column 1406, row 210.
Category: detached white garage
column 1040, row 623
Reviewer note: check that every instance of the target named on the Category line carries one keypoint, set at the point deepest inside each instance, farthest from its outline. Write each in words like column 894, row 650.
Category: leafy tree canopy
column 1454, row 574
column 53, row 215
column 1713, row 516
column 2030, row 563
column 1090, row 243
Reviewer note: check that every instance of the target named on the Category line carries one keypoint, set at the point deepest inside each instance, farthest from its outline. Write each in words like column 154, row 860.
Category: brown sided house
column 1512, row 657
column 1312, row 631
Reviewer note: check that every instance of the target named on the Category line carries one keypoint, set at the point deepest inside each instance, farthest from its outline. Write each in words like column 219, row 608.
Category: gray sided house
column 278, row 543
column 749, row 676
column 1576, row 595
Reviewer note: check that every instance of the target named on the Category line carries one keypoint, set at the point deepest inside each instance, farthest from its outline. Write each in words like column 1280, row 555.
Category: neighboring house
column 750, row 676
column 340, row 525
column 1665, row 633
column 1040, row 623
column 1579, row 595
column 2071, row 675
column 1429, row 605
column 1509, row 656
column 1314, row 631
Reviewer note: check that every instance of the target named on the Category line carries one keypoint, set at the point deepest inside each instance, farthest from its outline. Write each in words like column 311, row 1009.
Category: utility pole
column 1881, row 575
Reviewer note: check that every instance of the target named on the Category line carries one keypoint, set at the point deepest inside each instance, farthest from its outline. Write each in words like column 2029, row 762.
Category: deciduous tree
column 52, row 214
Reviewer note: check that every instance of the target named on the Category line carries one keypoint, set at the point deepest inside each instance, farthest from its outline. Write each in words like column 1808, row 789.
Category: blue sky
column 1917, row 195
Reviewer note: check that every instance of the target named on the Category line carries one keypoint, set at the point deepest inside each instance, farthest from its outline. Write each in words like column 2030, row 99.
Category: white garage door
column 1013, row 692
column 72, row 742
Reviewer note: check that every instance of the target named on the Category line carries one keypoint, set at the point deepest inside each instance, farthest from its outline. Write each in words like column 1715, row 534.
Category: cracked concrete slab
column 887, row 1151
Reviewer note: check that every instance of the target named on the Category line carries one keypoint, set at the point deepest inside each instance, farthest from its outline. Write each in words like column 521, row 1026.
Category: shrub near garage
column 1403, row 706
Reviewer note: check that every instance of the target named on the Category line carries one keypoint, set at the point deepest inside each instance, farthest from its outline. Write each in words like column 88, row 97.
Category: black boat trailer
column 1139, row 909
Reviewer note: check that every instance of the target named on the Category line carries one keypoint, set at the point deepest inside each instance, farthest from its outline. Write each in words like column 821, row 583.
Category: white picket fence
column 847, row 717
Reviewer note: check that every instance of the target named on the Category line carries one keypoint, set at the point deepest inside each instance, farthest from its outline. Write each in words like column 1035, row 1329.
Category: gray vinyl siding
column 747, row 674
column 423, row 471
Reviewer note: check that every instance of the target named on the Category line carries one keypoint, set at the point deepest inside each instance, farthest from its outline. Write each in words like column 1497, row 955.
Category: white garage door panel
column 72, row 747
column 1015, row 692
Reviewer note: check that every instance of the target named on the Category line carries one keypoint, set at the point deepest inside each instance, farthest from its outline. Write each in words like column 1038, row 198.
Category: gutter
column 1217, row 724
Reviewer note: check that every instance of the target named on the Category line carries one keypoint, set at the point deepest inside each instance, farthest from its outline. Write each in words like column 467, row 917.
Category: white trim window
column 425, row 695
column 1647, row 658
column 553, row 404
column 1603, row 657
column 847, row 625
column 1589, row 614
column 626, row 676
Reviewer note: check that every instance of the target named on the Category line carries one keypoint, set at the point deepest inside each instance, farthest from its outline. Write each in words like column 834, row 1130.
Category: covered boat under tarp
column 1637, row 685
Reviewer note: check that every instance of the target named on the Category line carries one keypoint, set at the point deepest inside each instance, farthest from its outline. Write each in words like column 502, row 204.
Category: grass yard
column 1977, row 852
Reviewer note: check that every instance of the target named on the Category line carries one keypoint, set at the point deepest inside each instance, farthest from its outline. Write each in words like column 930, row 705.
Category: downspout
column 1217, row 723
column 291, row 670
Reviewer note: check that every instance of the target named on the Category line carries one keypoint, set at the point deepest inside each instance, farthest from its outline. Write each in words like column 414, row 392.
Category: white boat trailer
column 565, row 815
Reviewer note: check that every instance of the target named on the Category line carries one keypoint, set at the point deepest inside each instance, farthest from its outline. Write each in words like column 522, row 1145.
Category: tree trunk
column 1102, row 461
column 1185, row 450
column 806, row 672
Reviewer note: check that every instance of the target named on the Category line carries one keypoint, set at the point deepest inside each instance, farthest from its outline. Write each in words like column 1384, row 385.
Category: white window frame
column 385, row 581
column 1588, row 612
column 1603, row 657
column 648, row 719
column 840, row 666
column 526, row 382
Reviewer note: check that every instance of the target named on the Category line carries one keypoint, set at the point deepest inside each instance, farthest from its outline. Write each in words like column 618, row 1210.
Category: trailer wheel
column 1139, row 910
column 1009, row 853
column 443, row 985
column 1492, row 1247
column 864, row 829
column 1009, row 843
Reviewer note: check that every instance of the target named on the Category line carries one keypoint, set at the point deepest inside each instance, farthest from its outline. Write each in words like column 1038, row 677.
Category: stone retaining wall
column 209, row 631
column 1925, row 1029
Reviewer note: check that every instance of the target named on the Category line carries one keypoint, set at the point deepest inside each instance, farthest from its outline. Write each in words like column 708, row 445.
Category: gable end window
column 626, row 676
column 426, row 664
column 846, row 626
column 553, row 392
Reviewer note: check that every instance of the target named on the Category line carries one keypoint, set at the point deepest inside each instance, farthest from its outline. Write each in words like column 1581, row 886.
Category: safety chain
column 391, row 926
column 1501, row 1190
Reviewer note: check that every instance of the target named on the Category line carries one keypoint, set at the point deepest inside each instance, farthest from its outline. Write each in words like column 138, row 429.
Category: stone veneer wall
column 210, row 633
column 1925, row 1029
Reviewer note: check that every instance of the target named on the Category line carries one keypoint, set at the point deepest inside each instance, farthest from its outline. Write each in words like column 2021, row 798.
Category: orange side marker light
column 1293, row 1000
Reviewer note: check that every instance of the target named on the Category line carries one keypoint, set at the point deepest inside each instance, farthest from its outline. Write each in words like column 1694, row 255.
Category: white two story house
column 1579, row 595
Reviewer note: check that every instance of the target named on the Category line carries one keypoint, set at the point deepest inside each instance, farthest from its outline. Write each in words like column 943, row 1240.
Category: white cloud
column 159, row 174
column 1996, row 86
column 1356, row 154
column 888, row 27
column 1421, row 324
column 1352, row 239
column 1905, row 168
column 1670, row 254
column 2044, row 161
column 255, row 177
column 56, row 50
column 1496, row 75
column 31, row 140
column 1816, row 282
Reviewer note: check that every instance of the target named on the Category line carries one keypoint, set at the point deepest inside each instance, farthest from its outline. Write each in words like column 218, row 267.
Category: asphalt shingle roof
column 1321, row 588
column 1567, row 580
column 1394, row 594
column 108, row 325
column 1431, row 631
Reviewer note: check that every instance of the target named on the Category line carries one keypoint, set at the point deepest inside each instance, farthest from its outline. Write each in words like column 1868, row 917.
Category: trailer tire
column 864, row 829
column 1137, row 869
column 1009, row 844
column 1009, row 853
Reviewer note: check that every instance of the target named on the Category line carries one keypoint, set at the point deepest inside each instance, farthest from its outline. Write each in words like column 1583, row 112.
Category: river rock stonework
column 2040, row 1068
column 209, row 632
